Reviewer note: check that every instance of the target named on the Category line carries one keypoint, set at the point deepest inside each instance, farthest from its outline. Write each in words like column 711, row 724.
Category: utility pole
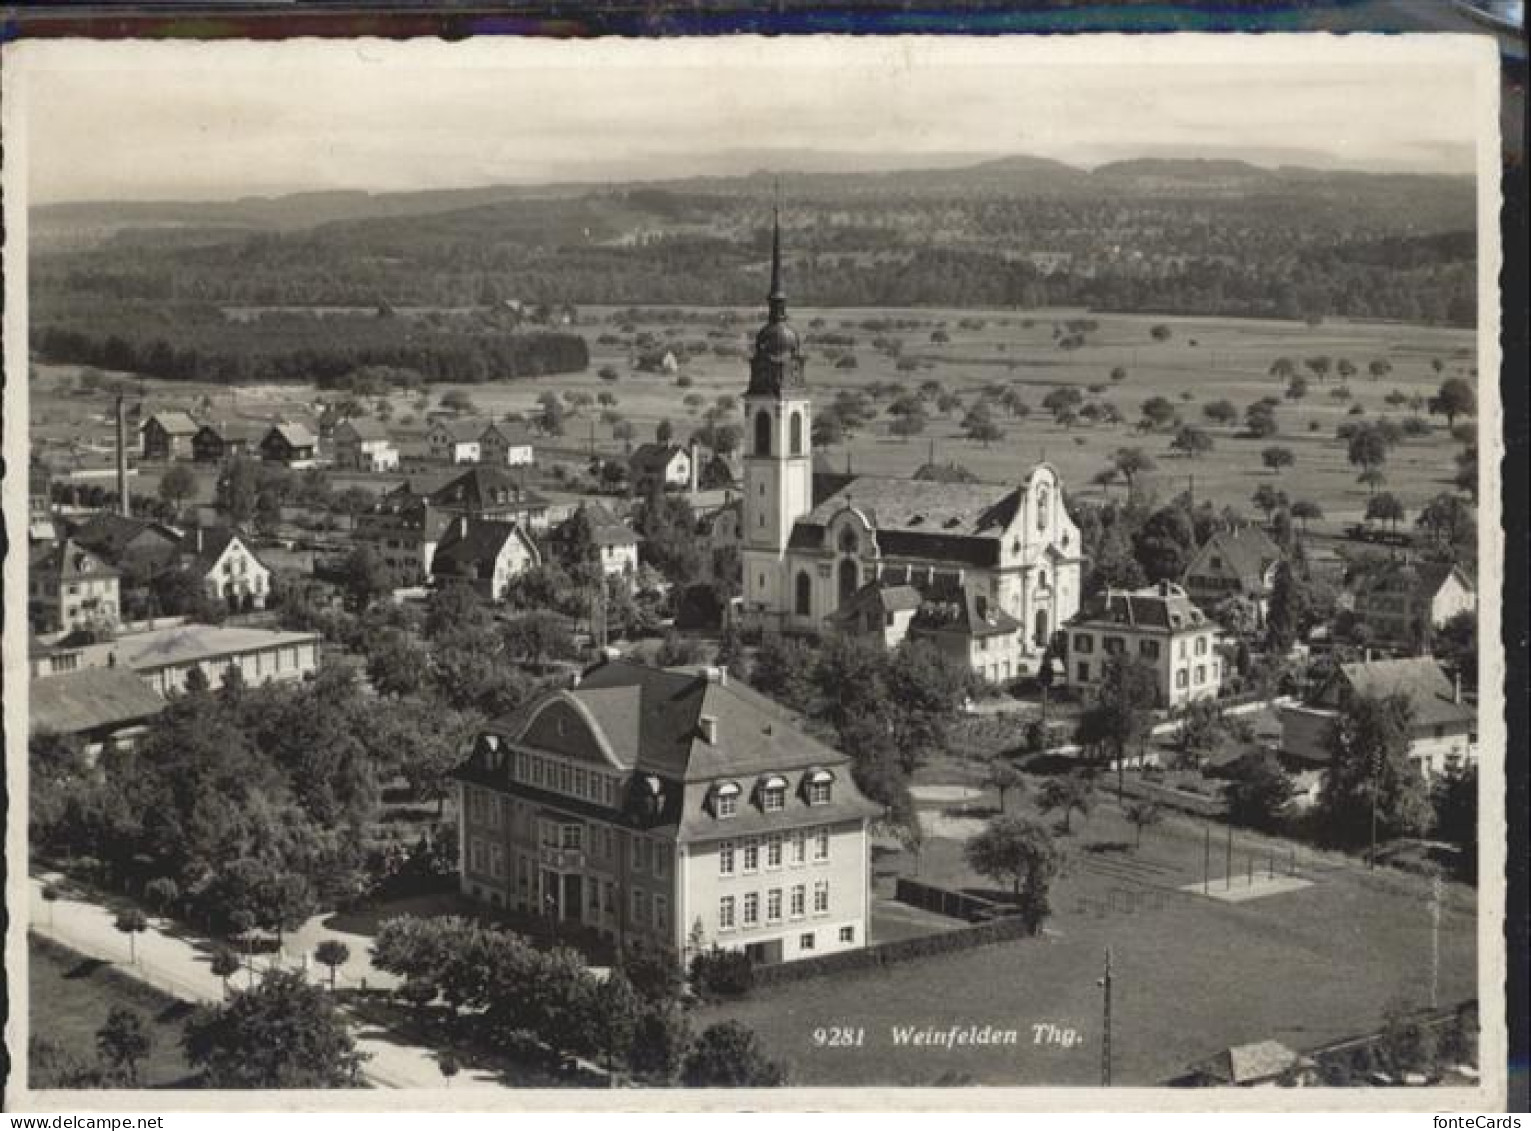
column 1105, row 1038
column 1228, row 871
column 1371, row 856
column 1435, row 941
column 1206, row 859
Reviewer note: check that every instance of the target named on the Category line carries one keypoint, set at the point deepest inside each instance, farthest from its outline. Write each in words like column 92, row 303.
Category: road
column 178, row 966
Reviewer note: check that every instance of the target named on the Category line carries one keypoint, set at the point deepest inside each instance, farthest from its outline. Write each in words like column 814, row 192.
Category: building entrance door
column 574, row 898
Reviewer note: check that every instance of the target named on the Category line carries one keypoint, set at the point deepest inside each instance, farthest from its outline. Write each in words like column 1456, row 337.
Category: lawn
column 1192, row 975
column 71, row 996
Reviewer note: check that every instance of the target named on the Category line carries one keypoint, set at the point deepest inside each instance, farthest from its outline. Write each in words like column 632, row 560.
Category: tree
column 1191, row 442
column 1260, row 420
column 1118, row 373
column 1345, row 368
column 1305, row 511
column 1269, row 499
column 1130, row 463
column 1372, row 478
column 1455, row 644
column 124, row 1041
column 1021, row 853
column 664, row 432
column 457, row 401
column 660, row 1042
column 365, row 577
column 1367, row 447
column 1290, row 606
column 1277, row 459
column 284, row 1033
column 550, row 415
column 1296, row 388
column 177, row 485
column 1259, row 793
column 1164, row 543
column 334, row 954
column 1283, row 368
column 1318, row 366
column 979, row 425
column 1384, row 508
column 1379, row 367
column 1220, row 412
column 1454, row 797
column 1450, row 523
column 1158, row 411
column 1454, row 398
column 132, row 923
column 1159, row 332
column 1370, row 774
column 728, row 1055
column 616, row 1009
column 1067, row 795
column 1142, row 815
column 1120, row 714
column 224, row 964
column 397, row 664
column 1002, row 777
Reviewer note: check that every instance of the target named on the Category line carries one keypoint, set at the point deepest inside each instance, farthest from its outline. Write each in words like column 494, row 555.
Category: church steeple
column 777, row 364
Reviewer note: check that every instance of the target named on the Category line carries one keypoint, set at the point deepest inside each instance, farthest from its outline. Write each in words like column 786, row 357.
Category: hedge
column 890, row 953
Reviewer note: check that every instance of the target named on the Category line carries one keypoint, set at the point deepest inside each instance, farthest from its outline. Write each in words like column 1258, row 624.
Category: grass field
column 1230, row 358
column 71, row 996
column 1192, row 975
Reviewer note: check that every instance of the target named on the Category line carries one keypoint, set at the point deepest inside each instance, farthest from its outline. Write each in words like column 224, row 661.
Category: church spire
column 777, row 299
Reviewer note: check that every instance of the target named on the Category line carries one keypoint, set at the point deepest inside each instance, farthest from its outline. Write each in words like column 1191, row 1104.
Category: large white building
column 809, row 544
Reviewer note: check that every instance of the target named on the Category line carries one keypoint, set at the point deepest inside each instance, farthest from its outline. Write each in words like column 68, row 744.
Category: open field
column 71, row 996
column 1192, row 975
column 1230, row 358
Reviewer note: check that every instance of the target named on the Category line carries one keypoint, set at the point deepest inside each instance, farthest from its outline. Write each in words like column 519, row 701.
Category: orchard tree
column 1259, row 793
column 1260, row 419
column 1191, row 442
column 1142, row 815
column 1002, row 777
column 1385, row 508
column 1277, row 459
column 1121, row 712
column 1455, row 398
column 1158, row 411
column 1021, row 853
column 1067, row 795
column 1290, row 607
column 1283, row 369
column 1379, row 367
column 1305, row 511
column 1130, row 463
column 177, row 485
column 124, row 1041
column 1221, row 412
column 1451, row 524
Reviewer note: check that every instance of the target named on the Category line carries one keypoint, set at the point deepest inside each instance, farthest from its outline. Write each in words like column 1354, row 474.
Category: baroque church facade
column 990, row 572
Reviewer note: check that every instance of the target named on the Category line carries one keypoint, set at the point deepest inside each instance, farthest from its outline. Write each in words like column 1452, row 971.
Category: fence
column 882, row 955
column 944, row 901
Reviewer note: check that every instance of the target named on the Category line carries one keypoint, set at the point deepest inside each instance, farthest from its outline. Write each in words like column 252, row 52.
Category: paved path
column 180, row 967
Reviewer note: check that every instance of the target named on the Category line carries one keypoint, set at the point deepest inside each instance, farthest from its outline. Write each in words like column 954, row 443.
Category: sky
column 213, row 121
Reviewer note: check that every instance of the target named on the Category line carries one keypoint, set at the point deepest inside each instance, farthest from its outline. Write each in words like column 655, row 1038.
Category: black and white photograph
column 592, row 572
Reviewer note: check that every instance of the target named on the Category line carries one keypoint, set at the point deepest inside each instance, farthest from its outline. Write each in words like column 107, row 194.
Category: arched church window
column 850, row 580
column 1042, row 503
column 849, row 543
column 763, row 434
column 797, row 433
column 1039, row 634
column 804, row 602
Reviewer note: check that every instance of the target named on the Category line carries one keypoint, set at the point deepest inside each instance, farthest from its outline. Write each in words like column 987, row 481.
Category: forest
column 1170, row 237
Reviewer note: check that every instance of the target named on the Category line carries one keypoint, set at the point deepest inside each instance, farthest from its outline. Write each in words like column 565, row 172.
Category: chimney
column 708, row 725
column 124, row 504
column 716, row 675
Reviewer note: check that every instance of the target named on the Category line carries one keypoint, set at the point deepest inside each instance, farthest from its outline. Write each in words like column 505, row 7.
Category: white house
column 484, row 553
column 506, row 445
column 1160, row 626
column 456, row 441
column 363, row 444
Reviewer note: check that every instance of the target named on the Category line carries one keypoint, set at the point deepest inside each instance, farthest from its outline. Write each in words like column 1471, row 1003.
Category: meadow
column 1202, row 360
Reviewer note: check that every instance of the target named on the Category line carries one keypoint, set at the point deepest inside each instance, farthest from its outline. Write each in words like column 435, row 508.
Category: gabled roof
column 481, row 488
column 1164, row 607
column 878, row 598
column 89, row 699
column 1247, row 552
column 1420, row 679
column 215, row 540
column 606, row 529
column 110, row 535
column 190, row 643
column 247, row 431
column 364, row 427
column 1423, row 579
column 174, row 422
column 514, row 435
column 1248, row 1064
column 461, row 431
column 654, row 457
column 920, row 506
column 470, row 547
column 69, row 561
column 295, row 435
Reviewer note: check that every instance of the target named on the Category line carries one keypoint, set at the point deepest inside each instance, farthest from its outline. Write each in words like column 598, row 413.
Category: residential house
column 228, row 567
column 362, row 444
column 668, row 465
column 40, row 522
column 1443, row 732
column 974, row 631
column 167, row 436
column 217, row 443
column 1234, row 563
column 291, row 444
column 68, row 588
column 105, row 709
column 484, row 553
column 878, row 613
column 456, row 441
column 486, row 492
column 1159, row 625
column 1262, row 1064
column 1402, row 601
column 613, row 540
column 163, row 657
column 404, row 530
column 139, row 549
column 676, row 807
column 506, row 445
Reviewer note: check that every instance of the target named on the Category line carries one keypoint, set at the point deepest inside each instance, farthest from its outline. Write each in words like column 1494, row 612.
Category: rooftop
column 89, row 699
column 1420, row 679
column 1164, row 607
column 1247, row 551
column 175, row 422
column 190, row 643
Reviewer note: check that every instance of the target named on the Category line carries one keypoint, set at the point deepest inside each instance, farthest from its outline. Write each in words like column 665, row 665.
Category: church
column 988, row 572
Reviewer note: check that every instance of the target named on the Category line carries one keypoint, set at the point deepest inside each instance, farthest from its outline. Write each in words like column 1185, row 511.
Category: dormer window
column 725, row 801
column 820, row 787
column 773, row 795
